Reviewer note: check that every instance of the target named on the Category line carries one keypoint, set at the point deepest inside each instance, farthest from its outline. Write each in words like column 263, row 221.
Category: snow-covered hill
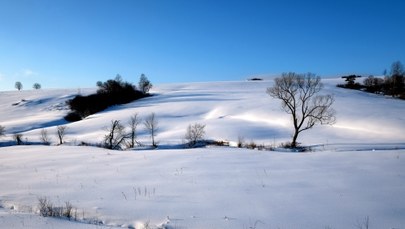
column 357, row 171
column 229, row 110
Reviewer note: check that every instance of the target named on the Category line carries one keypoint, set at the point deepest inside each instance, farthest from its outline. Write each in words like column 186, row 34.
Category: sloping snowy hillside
column 229, row 110
column 356, row 172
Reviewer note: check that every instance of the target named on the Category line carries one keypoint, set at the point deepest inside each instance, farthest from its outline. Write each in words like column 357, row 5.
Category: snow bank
column 211, row 187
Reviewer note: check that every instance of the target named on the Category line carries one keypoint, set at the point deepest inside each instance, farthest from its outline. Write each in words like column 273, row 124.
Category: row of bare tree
column 117, row 137
column 297, row 92
column 44, row 137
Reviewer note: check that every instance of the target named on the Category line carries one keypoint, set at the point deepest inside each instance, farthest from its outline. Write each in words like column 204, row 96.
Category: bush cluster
column 47, row 209
column 392, row 84
column 109, row 93
column 194, row 134
column 351, row 82
column 389, row 85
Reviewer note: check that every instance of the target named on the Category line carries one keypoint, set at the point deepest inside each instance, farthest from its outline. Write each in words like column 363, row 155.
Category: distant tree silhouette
column 117, row 91
column 397, row 68
column 18, row 85
column 373, row 84
column 144, row 84
column 36, row 86
column 351, row 82
column 394, row 84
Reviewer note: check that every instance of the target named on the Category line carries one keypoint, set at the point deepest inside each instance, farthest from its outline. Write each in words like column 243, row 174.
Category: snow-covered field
column 356, row 171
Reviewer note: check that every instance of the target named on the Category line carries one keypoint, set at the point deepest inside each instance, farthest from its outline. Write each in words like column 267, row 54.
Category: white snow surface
column 356, row 171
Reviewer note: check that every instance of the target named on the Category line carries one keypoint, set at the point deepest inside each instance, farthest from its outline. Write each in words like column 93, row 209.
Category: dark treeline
column 392, row 84
column 109, row 93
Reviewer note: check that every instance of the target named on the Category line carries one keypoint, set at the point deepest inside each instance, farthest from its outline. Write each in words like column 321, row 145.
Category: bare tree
column 61, row 132
column 44, row 137
column 373, row 84
column 144, row 84
column 365, row 224
column 151, row 125
column 397, row 68
column 298, row 93
column 194, row 134
column 133, row 123
column 115, row 137
column 18, row 85
column 18, row 139
column 36, row 86
column 2, row 131
column 395, row 83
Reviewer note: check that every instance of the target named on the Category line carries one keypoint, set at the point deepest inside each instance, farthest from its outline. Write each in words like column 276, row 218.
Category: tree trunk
column 153, row 136
column 294, row 140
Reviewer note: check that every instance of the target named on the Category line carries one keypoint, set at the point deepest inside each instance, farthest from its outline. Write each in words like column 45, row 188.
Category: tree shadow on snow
column 36, row 126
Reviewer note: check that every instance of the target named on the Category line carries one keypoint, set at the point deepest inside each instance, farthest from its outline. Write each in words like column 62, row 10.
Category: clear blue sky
column 75, row 43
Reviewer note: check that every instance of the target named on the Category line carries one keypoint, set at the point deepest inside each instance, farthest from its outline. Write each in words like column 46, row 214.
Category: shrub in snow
column 241, row 141
column 297, row 148
column 68, row 210
column 194, row 134
column 287, row 144
column 83, row 143
column 47, row 209
column 44, row 206
column 217, row 143
column 251, row 145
